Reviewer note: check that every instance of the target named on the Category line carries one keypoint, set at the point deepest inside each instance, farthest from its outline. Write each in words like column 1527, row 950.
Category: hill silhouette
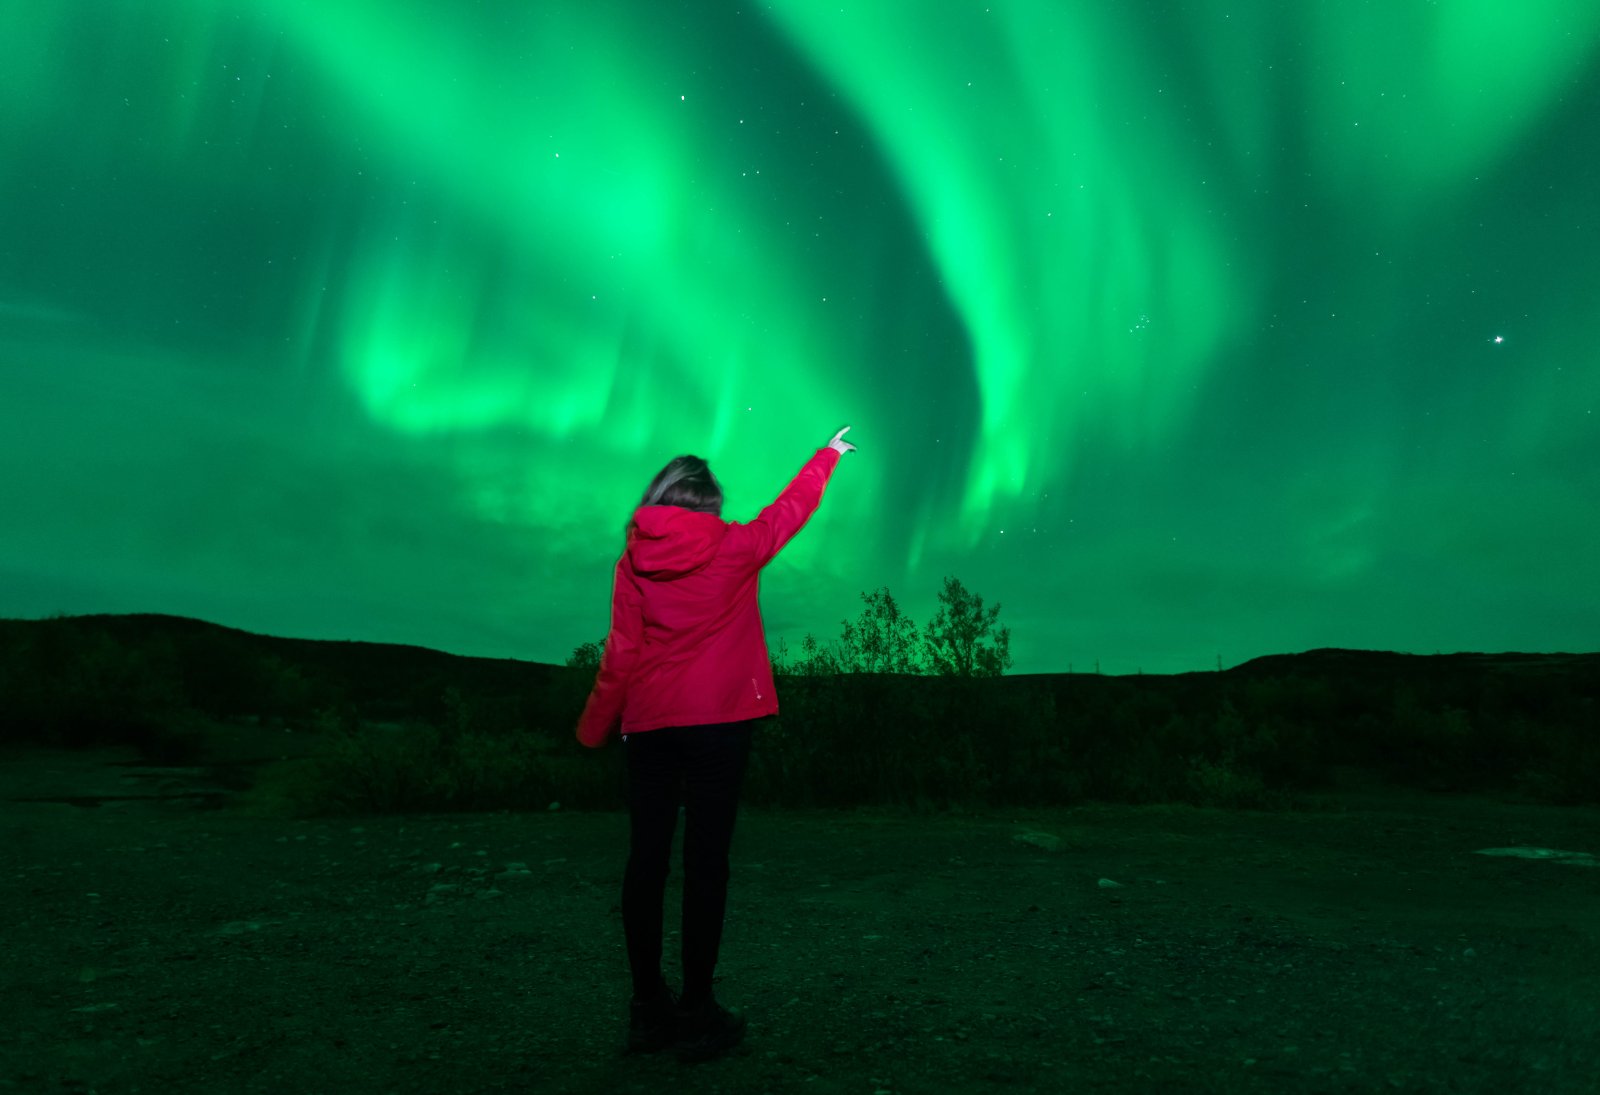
column 1282, row 722
column 369, row 659
column 1338, row 660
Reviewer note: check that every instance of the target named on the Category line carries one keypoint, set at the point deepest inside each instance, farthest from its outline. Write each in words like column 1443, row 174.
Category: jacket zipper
column 756, row 686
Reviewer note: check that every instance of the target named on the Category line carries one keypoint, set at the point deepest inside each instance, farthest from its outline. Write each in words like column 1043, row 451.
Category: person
column 686, row 676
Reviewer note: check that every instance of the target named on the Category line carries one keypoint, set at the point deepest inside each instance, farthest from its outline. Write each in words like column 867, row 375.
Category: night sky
column 1183, row 330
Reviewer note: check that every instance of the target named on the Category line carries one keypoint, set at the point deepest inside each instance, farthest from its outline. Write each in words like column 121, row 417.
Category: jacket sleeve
column 777, row 524
column 602, row 714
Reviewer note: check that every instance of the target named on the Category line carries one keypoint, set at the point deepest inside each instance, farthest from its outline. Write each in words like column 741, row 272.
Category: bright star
column 1499, row 339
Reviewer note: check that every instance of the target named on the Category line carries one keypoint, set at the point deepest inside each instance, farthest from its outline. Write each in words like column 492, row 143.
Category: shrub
column 1221, row 783
column 587, row 655
column 1569, row 774
column 417, row 768
column 72, row 685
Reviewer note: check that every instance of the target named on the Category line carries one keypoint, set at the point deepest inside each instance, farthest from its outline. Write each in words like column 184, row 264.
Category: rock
column 438, row 892
column 1576, row 859
column 1048, row 841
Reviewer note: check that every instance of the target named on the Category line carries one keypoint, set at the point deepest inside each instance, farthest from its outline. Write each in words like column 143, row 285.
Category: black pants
column 711, row 761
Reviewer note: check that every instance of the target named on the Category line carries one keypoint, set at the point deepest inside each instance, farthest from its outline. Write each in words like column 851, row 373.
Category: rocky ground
column 159, row 940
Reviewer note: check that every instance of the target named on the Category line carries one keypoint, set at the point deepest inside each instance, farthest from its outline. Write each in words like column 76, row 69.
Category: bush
column 417, row 768
column 74, row 685
column 910, row 742
column 1220, row 783
column 587, row 655
column 920, row 743
column 1569, row 773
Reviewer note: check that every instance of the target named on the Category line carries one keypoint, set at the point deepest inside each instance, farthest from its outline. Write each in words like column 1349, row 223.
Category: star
column 1499, row 339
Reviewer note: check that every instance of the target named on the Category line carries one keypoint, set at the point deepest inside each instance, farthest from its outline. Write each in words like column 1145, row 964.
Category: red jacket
column 686, row 645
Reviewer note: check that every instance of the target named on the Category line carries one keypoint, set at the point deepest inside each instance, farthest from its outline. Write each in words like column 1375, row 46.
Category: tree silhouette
column 882, row 640
column 955, row 641
column 587, row 655
column 816, row 660
column 962, row 641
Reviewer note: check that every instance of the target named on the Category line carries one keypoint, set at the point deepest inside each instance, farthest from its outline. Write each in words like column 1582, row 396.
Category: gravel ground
column 169, row 943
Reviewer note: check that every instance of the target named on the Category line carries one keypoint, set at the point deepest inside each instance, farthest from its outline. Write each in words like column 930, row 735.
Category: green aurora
column 1184, row 330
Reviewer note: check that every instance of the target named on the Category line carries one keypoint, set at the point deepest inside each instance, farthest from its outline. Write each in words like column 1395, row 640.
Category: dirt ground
column 168, row 943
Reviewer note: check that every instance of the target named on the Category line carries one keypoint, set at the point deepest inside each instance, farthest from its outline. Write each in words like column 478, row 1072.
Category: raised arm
column 776, row 525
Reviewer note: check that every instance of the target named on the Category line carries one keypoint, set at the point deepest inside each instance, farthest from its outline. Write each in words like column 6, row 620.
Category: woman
column 686, row 675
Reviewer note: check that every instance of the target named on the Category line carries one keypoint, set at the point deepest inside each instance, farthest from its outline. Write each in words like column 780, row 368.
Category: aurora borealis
column 1182, row 330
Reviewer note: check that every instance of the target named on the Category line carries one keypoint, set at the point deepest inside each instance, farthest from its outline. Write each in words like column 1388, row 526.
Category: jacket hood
column 667, row 542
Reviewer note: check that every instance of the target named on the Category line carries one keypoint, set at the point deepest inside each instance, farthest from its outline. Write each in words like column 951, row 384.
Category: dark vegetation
column 888, row 716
